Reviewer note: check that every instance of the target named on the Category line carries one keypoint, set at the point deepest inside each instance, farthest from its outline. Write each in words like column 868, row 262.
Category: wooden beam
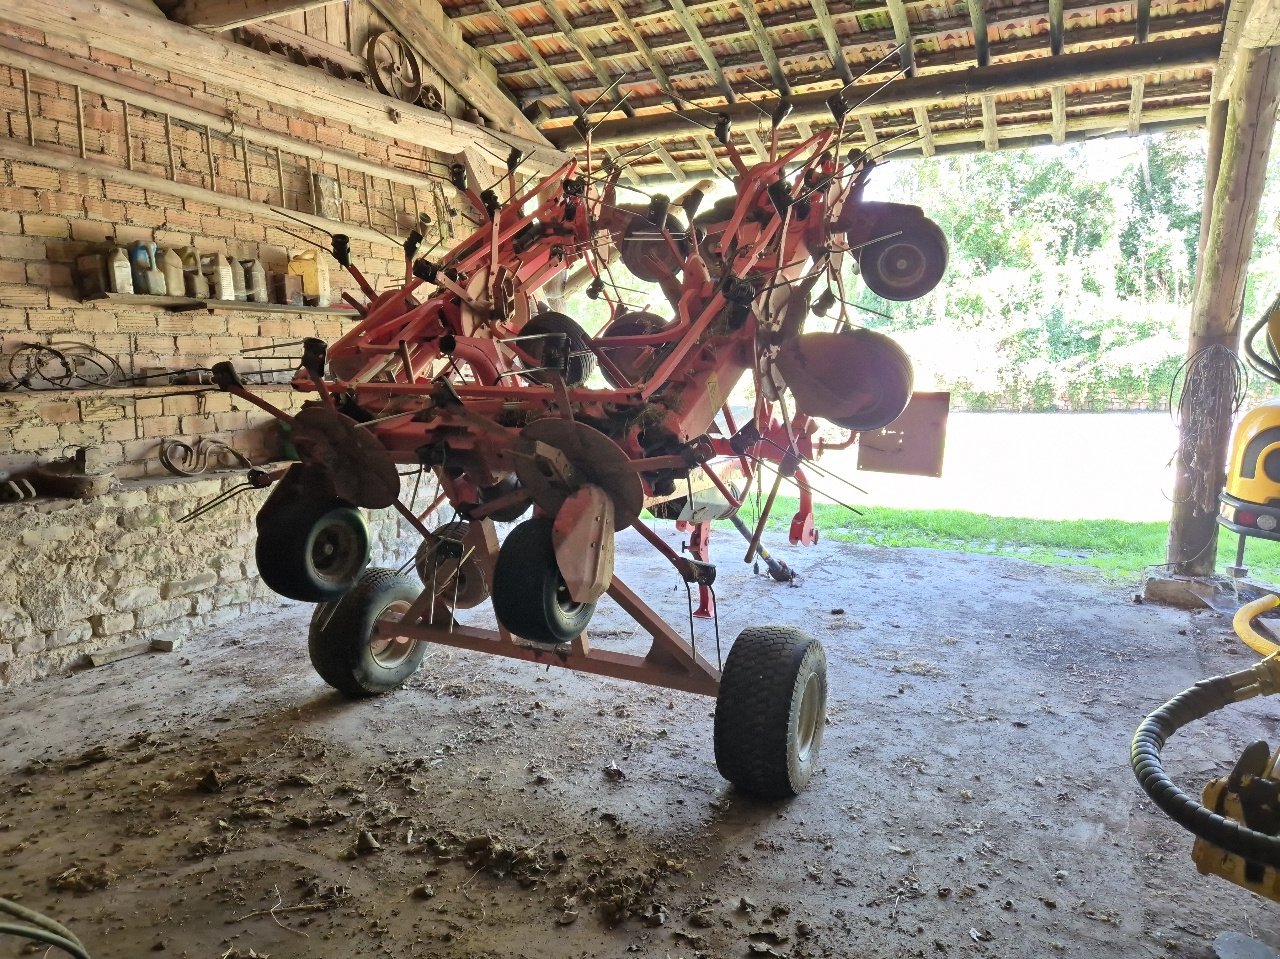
column 978, row 20
column 571, row 37
column 835, row 50
column 117, row 29
column 932, row 89
column 1055, row 27
column 990, row 127
column 801, row 54
column 924, row 131
column 674, row 168
column 761, row 37
column 15, row 150
column 1250, row 24
column 687, row 20
column 1022, row 136
column 642, row 46
column 1137, row 86
column 758, row 145
column 902, row 34
column 218, row 15
column 459, row 66
column 1143, row 25
column 869, row 137
column 1205, row 426
column 548, row 73
column 1058, row 98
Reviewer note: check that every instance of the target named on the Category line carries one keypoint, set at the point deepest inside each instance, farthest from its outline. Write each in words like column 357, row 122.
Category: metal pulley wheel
column 431, row 98
column 394, row 67
column 444, row 563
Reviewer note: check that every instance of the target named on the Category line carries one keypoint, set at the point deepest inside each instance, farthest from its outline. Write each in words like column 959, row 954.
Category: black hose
column 1205, row 697
column 43, row 935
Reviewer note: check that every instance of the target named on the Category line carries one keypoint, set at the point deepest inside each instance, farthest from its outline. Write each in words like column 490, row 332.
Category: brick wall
column 48, row 217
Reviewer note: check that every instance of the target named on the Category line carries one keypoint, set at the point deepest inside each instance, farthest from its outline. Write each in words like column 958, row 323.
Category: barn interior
column 189, row 185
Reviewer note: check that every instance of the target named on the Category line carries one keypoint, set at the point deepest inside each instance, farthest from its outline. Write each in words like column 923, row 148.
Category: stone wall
column 120, row 570
column 81, row 577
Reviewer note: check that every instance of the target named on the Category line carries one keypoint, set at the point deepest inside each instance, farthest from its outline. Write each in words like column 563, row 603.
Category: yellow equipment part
column 1210, row 860
column 1250, row 794
column 1253, row 467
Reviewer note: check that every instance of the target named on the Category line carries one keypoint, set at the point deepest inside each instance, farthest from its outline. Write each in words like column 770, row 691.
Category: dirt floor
column 974, row 797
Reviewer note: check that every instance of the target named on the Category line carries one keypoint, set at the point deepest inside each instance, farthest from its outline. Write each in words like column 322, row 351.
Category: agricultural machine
column 463, row 371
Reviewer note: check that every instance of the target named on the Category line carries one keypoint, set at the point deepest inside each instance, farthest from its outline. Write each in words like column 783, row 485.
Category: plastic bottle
column 255, row 281
column 146, row 278
column 237, row 278
column 170, row 264
column 217, row 269
column 119, row 271
column 194, row 279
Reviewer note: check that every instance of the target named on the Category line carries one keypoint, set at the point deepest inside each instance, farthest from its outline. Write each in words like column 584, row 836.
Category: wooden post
column 1227, row 237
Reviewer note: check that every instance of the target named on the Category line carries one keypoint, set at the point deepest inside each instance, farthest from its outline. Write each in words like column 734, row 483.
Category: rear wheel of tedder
column 906, row 266
column 342, row 645
column 530, row 597
column 770, row 711
column 312, row 549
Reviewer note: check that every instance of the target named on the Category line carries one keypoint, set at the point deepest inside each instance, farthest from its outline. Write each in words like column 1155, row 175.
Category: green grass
column 1118, row 549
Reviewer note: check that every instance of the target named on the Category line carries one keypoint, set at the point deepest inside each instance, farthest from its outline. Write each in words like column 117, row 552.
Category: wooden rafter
column 571, row 37
column 687, row 20
column 641, row 45
column 1056, row 40
column 1137, row 87
column 835, row 50
column 1033, row 133
column 902, row 34
column 216, row 15
column 978, row 21
column 669, row 162
column 532, row 53
column 802, row 53
column 928, row 90
column 990, row 126
column 924, row 131
column 869, row 136
column 1058, row 95
column 761, row 37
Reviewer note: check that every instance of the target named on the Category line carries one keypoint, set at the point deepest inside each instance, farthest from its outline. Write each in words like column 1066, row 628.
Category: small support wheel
column 530, row 597
column 343, row 649
column 906, row 266
column 312, row 549
column 771, row 711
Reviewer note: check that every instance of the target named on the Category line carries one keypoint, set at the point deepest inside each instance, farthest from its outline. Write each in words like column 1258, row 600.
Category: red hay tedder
column 461, row 371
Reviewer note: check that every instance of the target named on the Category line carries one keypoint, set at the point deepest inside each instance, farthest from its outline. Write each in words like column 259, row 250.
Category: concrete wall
column 80, row 577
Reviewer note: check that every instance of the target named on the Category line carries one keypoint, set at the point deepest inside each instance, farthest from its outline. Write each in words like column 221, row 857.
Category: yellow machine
column 1250, row 500
column 1237, row 828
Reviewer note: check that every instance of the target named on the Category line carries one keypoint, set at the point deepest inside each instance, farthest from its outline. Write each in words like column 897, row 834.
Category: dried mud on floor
column 974, row 797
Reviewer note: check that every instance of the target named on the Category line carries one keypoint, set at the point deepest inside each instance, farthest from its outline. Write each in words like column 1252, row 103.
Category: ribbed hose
column 1205, row 697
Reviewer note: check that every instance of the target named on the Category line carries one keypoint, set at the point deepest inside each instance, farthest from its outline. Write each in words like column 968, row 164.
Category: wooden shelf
column 246, row 307
column 145, row 299
column 183, row 304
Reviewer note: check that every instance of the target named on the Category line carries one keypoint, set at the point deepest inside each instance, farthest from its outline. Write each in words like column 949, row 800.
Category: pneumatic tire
column 908, row 265
column 312, row 549
column 530, row 597
column 343, row 649
column 770, row 711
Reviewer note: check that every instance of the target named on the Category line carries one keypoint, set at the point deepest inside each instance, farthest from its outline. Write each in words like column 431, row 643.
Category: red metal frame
column 437, row 368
